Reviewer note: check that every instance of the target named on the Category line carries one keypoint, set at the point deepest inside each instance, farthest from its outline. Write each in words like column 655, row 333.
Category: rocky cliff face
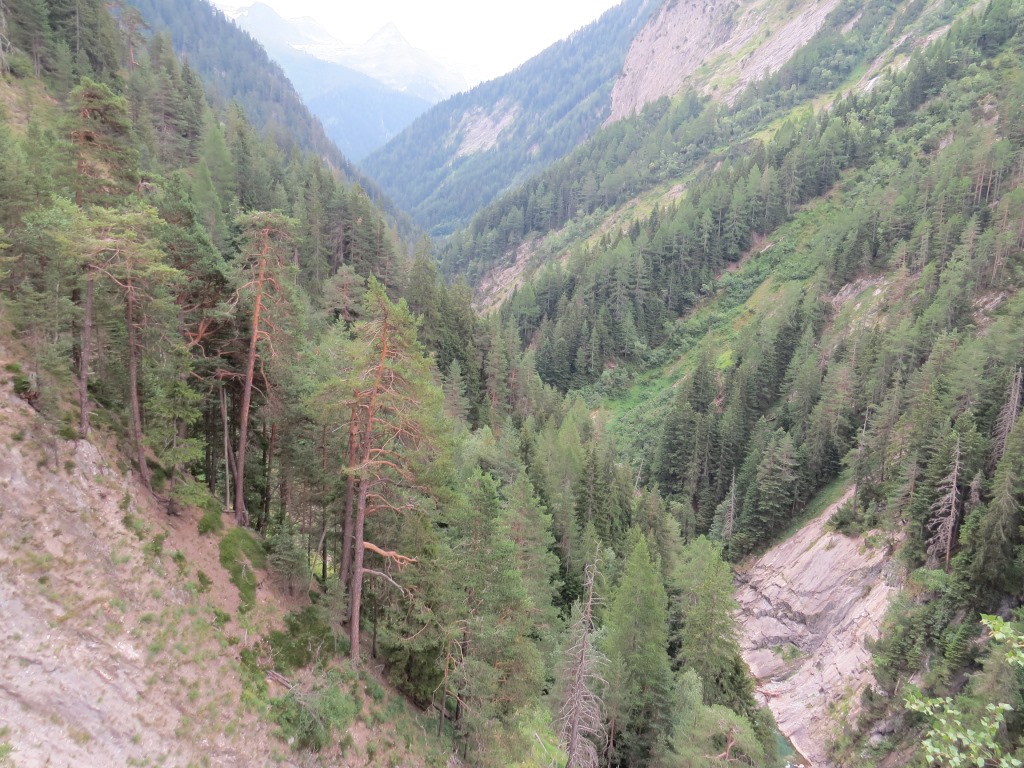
column 737, row 42
column 808, row 607
column 113, row 651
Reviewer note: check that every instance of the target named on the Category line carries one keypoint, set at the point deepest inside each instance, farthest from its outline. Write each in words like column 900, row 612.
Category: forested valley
column 523, row 524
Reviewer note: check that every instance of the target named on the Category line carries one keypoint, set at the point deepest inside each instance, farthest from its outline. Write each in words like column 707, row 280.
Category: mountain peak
column 389, row 33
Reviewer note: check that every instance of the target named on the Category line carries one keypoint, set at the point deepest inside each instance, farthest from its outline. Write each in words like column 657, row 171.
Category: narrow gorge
column 809, row 608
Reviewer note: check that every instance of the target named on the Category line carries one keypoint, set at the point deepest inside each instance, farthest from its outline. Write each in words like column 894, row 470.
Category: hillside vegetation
column 236, row 70
column 838, row 296
column 245, row 326
column 461, row 154
column 726, row 317
column 653, row 157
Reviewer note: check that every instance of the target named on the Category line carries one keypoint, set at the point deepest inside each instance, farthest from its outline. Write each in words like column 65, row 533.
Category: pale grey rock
column 808, row 608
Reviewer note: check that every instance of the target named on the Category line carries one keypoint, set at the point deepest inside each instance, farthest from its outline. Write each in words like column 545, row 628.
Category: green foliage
column 241, row 554
column 702, row 620
column 639, row 676
column 192, row 494
column 311, row 720
column 154, row 548
column 950, row 743
column 136, row 525
column 286, row 552
column 222, row 53
column 307, row 639
column 21, row 384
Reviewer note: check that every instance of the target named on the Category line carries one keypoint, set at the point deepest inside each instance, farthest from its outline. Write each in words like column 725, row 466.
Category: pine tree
column 262, row 280
column 124, row 249
column 106, row 164
column 946, row 509
column 704, row 631
column 529, row 527
column 390, row 400
column 1008, row 414
column 639, row 677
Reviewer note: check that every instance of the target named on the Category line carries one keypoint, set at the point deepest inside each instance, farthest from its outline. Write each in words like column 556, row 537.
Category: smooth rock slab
column 808, row 608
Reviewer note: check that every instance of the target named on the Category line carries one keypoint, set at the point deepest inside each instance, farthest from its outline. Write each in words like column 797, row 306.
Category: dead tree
column 581, row 726
column 946, row 510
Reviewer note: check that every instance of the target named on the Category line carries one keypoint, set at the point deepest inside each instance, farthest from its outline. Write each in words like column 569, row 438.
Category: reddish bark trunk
column 241, row 514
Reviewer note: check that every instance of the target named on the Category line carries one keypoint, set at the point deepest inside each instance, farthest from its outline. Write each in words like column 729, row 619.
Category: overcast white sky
column 480, row 36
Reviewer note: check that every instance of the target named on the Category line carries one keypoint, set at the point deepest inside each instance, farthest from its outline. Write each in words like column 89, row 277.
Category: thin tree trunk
column 227, row 447
column 282, row 496
column 356, row 592
column 373, row 646
column 83, row 360
column 346, row 536
column 209, row 465
column 241, row 514
column 324, row 506
column 267, row 493
column 133, row 385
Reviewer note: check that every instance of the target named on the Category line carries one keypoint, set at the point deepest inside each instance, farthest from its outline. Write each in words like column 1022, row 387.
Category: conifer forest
column 478, row 473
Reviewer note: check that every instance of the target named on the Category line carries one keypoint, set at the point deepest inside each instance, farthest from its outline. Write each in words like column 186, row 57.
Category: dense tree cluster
column 251, row 329
column 236, row 69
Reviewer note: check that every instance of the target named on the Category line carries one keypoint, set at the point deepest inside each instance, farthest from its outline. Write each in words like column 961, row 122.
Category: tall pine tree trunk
column 366, row 452
column 134, row 353
column 227, row 447
column 241, row 514
column 84, row 359
column 346, row 536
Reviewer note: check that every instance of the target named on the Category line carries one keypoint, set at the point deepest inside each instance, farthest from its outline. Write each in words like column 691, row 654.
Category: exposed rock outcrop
column 808, row 608
column 479, row 131
column 741, row 42
column 110, row 653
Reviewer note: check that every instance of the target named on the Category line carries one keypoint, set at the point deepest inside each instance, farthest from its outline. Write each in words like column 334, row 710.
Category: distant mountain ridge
column 365, row 94
column 467, row 150
column 230, row 62
column 386, row 57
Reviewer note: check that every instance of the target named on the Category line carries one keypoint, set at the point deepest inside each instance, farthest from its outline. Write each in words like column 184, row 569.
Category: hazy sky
column 481, row 37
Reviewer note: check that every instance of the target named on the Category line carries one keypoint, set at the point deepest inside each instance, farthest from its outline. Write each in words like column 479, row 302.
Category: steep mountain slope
column 126, row 642
column 684, row 37
column 359, row 112
column 112, row 653
column 235, row 68
column 465, row 151
column 637, row 163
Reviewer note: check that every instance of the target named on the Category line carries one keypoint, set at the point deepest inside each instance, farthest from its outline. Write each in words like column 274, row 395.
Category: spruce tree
column 639, row 674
